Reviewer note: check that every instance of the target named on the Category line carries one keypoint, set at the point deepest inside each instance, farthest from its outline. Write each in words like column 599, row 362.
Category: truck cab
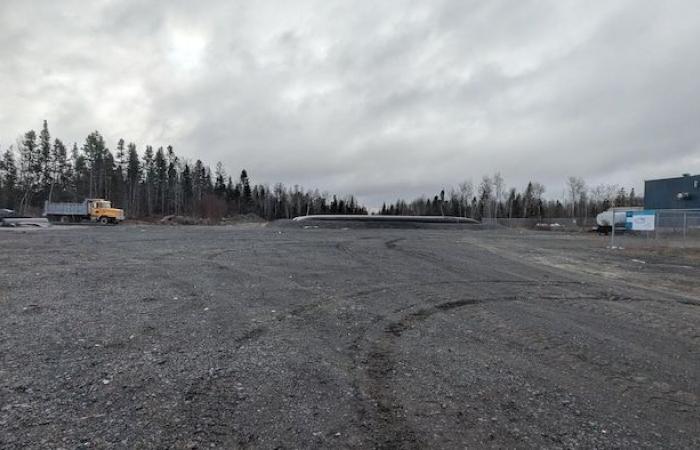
column 101, row 211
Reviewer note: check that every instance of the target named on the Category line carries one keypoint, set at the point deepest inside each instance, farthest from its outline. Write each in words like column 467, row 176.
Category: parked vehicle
column 605, row 219
column 92, row 209
column 10, row 218
column 17, row 222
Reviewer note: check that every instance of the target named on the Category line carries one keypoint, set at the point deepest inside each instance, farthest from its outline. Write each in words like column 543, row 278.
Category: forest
column 154, row 183
column 492, row 199
column 157, row 182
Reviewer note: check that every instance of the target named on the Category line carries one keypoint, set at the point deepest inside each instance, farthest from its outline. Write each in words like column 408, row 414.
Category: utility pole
column 612, row 235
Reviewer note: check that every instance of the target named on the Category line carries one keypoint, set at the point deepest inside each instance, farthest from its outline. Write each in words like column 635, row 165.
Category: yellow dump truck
column 92, row 209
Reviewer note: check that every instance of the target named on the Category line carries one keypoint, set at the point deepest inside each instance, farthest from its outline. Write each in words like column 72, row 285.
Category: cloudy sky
column 381, row 99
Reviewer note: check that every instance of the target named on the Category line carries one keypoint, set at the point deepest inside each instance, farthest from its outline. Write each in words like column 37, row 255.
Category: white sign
column 642, row 220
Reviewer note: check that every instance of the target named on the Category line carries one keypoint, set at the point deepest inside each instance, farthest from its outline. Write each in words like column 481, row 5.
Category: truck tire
column 104, row 220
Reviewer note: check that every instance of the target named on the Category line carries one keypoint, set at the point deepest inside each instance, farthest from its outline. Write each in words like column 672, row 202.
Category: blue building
column 673, row 193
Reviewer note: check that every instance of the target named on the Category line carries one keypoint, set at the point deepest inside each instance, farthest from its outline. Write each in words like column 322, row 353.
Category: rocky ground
column 282, row 337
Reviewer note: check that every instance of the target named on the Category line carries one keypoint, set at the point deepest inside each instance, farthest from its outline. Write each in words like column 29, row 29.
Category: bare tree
column 538, row 190
column 576, row 187
column 498, row 187
column 485, row 195
column 466, row 192
column 603, row 194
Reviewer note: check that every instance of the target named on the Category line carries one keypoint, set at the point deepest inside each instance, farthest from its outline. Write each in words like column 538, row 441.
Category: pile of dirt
column 184, row 220
column 189, row 220
column 242, row 218
column 550, row 227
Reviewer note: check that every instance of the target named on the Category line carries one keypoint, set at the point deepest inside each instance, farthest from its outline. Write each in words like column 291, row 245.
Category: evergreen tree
column 44, row 163
column 634, row 200
column 80, row 181
column 121, row 155
column 220, row 182
column 187, row 189
column 161, row 178
column 246, row 194
column 8, row 177
column 133, row 178
column 150, row 178
column 174, row 193
column 29, row 169
column 155, row 182
column 60, row 169
column 198, row 185
column 95, row 151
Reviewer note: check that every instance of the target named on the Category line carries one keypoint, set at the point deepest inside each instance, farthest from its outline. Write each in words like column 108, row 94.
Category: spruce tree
column 29, row 169
column 161, row 180
column 8, row 171
column 187, row 189
column 59, row 169
column 220, row 181
column 149, row 178
column 45, row 163
column 633, row 201
column 172, row 192
column 246, row 193
column 95, row 151
column 133, row 178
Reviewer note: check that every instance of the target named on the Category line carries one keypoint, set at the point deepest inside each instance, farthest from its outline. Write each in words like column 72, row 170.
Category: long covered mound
column 387, row 219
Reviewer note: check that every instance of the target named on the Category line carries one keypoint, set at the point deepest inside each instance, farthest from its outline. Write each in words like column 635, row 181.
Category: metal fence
column 563, row 223
column 671, row 227
column 679, row 223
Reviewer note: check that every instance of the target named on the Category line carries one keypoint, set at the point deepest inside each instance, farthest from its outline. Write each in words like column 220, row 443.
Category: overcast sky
column 381, row 99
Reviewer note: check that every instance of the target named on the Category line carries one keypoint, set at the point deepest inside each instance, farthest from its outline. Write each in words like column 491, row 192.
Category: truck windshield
column 104, row 205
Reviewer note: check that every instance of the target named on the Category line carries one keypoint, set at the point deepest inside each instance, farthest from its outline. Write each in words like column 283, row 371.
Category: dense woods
column 157, row 182
column 154, row 182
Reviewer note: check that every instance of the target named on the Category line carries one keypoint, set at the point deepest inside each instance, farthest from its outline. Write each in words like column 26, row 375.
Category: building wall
column 663, row 193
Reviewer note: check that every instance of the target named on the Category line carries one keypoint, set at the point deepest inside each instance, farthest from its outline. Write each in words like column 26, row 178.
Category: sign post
column 612, row 235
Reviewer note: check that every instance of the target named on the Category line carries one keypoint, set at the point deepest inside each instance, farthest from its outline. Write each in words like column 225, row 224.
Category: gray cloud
column 379, row 99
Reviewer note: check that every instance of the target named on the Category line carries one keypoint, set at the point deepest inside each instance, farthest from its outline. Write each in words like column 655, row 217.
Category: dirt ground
column 281, row 337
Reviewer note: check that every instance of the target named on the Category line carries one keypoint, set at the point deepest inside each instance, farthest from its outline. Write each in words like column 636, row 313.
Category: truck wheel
column 104, row 220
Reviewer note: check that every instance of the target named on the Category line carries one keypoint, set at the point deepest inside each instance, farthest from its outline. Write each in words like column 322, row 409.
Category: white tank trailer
column 605, row 219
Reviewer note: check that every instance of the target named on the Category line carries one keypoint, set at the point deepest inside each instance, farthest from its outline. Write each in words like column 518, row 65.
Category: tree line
column 492, row 199
column 154, row 182
column 157, row 182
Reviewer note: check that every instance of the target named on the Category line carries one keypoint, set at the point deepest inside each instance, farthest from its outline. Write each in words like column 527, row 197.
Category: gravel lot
column 268, row 336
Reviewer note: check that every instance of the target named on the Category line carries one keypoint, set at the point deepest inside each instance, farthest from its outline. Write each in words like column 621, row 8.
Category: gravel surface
column 281, row 337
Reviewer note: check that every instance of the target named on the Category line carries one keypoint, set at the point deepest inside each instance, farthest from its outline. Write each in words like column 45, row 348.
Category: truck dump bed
column 65, row 209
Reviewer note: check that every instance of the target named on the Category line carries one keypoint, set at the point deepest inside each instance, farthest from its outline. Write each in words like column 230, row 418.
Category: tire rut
column 395, row 430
